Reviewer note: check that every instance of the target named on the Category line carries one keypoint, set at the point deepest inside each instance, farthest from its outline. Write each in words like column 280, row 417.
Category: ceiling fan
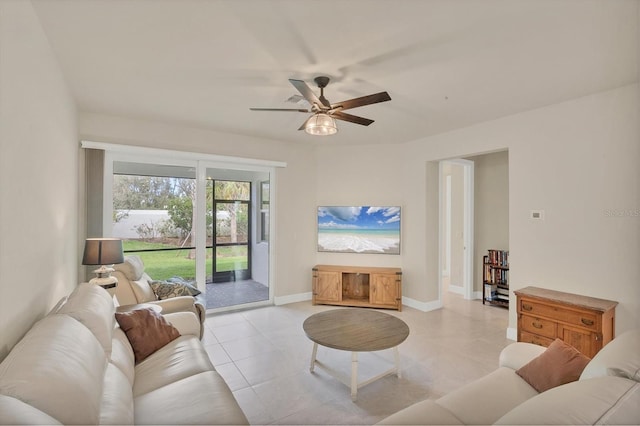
column 322, row 120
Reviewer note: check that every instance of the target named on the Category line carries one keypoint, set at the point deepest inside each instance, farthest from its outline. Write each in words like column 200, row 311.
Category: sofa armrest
column 183, row 304
column 175, row 304
column 518, row 354
column 185, row 322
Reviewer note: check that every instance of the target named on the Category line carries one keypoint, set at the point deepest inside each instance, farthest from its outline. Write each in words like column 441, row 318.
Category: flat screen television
column 359, row 229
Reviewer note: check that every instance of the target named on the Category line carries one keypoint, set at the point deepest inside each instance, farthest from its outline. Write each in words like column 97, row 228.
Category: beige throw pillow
column 146, row 330
column 561, row 363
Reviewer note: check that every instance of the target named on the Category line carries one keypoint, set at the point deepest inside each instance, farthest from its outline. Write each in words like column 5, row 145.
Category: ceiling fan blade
column 362, row 101
column 280, row 109
column 305, row 123
column 351, row 118
column 308, row 94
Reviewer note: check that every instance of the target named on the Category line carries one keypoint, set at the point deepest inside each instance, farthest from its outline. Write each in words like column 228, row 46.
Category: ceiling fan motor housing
column 322, row 81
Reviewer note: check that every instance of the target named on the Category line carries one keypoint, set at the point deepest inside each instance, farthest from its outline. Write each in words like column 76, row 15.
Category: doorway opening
column 474, row 218
column 456, row 227
column 237, row 242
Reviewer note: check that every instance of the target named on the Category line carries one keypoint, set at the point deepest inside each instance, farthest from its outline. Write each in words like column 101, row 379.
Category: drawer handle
column 527, row 307
column 537, row 325
column 586, row 321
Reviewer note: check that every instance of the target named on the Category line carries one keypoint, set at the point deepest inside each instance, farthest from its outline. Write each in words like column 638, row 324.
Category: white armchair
column 134, row 288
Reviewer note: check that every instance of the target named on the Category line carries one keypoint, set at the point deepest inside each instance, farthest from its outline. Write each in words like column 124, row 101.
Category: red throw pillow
column 561, row 363
column 146, row 330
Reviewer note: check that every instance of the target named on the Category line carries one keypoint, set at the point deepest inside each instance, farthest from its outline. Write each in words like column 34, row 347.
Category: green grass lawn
column 161, row 265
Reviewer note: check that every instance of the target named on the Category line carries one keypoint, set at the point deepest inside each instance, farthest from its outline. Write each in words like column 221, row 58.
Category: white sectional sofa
column 607, row 392
column 76, row 366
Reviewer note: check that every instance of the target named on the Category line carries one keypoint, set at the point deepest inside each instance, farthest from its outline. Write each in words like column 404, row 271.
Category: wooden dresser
column 585, row 323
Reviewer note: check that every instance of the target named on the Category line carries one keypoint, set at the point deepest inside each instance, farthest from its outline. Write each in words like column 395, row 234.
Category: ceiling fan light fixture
column 321, row 124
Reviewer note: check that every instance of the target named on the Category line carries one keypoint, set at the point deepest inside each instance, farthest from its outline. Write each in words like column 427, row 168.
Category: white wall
column 353, row 176
column 579, row 161
column 39, row 260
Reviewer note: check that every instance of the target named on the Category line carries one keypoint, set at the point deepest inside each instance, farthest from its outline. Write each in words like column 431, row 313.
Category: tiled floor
column 264, row 356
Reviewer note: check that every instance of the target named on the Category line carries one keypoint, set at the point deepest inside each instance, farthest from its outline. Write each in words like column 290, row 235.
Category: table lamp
column 104, row 252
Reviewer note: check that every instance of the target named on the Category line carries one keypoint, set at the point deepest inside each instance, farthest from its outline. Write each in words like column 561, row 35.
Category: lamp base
column 105, row 280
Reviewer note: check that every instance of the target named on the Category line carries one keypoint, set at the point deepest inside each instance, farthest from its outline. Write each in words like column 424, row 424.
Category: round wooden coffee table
column 355, row 330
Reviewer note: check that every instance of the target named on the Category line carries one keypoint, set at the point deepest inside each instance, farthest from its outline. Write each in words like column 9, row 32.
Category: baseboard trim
column 512, row 333
column 421, row 306
column 457, row 289
column 292, row 298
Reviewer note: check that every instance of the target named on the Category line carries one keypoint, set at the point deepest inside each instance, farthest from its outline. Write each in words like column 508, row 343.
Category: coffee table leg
column 396, row 355
column 313, row 357
column 354, row 376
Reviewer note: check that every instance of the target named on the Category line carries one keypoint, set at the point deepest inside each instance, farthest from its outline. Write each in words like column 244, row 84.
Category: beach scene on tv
column 359, row 229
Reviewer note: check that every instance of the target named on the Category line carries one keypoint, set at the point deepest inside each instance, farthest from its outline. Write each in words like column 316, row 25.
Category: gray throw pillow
column 166, row 289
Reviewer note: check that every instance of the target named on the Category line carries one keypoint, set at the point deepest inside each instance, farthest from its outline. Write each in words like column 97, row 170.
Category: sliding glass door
column 189, row 218
column 230, row 230
column 153, row 211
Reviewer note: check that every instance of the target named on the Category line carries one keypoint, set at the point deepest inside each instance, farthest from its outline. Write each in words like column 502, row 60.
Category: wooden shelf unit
column 495, row 278
column 586, row 323
column 372, row 287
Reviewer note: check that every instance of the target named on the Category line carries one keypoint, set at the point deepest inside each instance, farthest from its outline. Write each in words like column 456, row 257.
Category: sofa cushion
column 132, row 267
column 561, row 363
column 146, row 330
column 122, row 355
column 93, row 307
column 603, row 400
column 181, row 358
column 210, row 402
column 117, row 399
column 477, row 402
column 16, row 412
column 620, row 357
column 142, row 290
column 58, row 367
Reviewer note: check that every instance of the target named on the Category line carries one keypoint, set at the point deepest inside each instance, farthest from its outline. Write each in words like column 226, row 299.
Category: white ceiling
column 445, row 63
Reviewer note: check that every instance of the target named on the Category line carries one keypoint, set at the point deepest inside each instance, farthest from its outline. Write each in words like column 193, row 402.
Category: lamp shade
column 321, row 124
column 102, row 251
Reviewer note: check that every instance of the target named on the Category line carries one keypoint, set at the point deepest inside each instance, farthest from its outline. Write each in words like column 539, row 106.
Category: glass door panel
column 231, row 231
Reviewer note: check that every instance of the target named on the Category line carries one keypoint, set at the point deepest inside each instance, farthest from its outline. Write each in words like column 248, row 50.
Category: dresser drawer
column 539, row 326
column 584, row 319
column 535, row 339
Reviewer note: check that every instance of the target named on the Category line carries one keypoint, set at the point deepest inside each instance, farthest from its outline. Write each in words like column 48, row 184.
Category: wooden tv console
column 372, row 287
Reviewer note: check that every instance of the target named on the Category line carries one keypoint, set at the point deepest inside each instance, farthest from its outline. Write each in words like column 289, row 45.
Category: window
column 153, row 215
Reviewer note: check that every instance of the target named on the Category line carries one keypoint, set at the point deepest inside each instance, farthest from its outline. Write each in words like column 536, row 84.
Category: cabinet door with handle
column 587, row 342
column 327, row 286
column 385, row 290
